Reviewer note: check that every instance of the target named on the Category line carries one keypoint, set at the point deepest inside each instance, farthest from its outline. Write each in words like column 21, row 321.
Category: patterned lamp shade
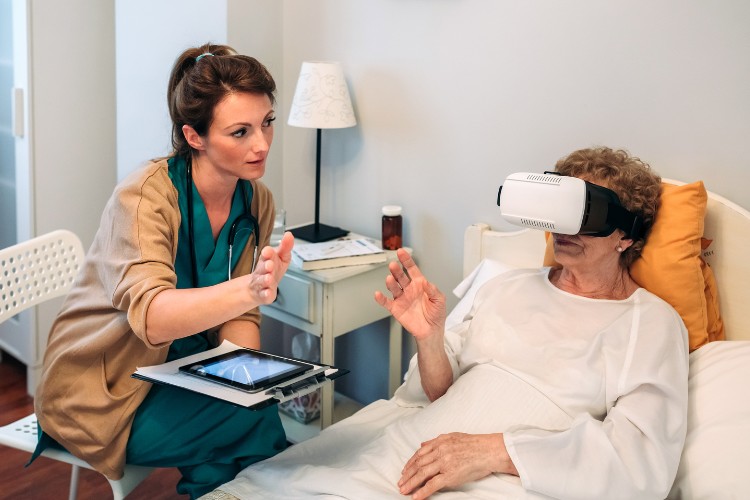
column 321, row 99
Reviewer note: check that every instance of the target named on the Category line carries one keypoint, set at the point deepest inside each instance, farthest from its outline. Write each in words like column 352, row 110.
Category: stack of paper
column 336, row 253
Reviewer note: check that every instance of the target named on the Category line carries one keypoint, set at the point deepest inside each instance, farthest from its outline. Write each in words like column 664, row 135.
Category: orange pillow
column 670, row 266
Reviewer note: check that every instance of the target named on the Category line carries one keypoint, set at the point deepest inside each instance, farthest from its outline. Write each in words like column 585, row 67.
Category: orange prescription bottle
column 392, row 222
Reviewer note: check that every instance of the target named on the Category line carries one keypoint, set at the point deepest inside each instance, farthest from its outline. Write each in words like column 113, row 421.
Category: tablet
column 247, row 369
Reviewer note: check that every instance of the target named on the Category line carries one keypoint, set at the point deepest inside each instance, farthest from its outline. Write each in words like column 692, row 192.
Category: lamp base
column 317, row 233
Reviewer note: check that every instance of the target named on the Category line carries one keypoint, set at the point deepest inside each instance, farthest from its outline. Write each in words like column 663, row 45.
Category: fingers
column 422, row 470
column 398, row 277
column 383, row 300
column 283, row 249
column 408, row 264
column 434, row 485
column 414, row 458
column 394, row 286
column 276, row 260
column 285, row 246
column 262, row 267
column 448, row 461
column 262, row 282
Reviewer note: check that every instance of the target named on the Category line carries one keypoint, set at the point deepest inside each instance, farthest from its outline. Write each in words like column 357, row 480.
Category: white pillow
column 717, row 449
column 467, row 289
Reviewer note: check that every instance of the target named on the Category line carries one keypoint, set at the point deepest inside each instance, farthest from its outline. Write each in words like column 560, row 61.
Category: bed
column 696, row 260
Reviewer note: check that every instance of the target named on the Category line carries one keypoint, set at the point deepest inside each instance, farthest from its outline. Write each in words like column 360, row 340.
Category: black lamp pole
column 318, row 232
column 317, row 180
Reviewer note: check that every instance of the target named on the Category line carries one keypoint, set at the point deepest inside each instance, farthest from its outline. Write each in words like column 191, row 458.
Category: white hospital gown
column 618, row 368
column 591, row 395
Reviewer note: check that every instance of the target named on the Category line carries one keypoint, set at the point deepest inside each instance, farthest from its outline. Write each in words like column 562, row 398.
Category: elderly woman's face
column 576, row 250
column 589, row 250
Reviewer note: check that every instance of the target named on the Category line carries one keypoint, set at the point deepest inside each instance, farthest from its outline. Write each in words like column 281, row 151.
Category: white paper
column 336, row 249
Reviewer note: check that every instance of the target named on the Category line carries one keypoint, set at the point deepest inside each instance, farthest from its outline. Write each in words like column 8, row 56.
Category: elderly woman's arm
column 420, row 308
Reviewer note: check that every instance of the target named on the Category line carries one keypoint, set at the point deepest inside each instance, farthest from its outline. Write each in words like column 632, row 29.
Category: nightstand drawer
column 296, row 297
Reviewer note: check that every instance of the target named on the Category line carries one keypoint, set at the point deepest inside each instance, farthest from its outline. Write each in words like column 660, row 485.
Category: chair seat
column 23, row 435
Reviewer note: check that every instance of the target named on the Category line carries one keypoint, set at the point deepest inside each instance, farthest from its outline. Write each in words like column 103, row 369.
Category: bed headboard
column 727, row 225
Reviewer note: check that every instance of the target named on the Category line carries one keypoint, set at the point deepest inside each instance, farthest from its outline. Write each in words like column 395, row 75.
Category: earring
column 619, row 249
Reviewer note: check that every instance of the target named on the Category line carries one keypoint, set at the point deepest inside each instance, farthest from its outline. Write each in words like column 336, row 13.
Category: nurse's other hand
column 272, row 264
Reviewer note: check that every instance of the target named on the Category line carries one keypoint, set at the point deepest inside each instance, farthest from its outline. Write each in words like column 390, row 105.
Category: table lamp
column 321, row 100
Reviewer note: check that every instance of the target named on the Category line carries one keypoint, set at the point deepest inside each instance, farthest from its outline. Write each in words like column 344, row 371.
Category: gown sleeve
column 410, row 393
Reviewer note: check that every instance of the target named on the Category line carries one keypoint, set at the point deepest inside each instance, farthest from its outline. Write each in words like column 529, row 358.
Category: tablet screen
column 247, row 369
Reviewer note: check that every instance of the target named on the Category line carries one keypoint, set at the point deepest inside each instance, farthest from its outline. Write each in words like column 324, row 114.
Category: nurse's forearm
column 178, row 313
column 241, row 332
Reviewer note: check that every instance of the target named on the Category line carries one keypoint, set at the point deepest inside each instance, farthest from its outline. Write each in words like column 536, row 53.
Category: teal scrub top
column 212, row 256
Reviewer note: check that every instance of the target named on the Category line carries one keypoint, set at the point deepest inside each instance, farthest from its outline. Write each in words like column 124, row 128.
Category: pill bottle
column 392, row 222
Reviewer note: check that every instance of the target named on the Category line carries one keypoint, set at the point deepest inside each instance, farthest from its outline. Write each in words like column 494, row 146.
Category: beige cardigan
column 87, row 398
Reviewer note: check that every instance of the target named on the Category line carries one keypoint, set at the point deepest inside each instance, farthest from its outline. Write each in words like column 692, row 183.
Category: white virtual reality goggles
column 564, row 205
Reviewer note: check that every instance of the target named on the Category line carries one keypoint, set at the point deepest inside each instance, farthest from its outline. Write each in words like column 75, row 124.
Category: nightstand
column 329, row 303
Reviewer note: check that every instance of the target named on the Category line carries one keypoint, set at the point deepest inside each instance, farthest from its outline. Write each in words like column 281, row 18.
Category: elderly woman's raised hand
column 417, row 304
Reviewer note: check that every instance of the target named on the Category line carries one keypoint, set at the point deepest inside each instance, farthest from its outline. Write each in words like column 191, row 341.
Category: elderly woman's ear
column 623, row 244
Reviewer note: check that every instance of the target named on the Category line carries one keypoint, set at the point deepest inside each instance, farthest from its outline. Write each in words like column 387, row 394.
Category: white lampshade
column 321, row 99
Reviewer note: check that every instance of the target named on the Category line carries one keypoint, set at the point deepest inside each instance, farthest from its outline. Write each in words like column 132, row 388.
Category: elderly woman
column 609, row 353
column 565, row 382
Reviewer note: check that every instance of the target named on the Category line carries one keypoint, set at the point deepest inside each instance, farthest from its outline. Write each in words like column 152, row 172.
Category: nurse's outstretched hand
column 272, row 264
column 416, row 303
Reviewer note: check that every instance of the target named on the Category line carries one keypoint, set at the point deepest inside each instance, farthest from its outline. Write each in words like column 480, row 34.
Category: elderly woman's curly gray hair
column 635, row 183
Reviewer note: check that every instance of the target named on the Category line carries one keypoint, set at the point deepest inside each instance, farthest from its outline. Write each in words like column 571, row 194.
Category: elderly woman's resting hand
column 451, row 460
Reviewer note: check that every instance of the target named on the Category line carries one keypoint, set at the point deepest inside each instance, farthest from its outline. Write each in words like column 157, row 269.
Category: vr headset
column 564, row 205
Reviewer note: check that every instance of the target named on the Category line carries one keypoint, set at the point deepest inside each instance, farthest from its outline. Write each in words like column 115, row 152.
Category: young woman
column 180, row 262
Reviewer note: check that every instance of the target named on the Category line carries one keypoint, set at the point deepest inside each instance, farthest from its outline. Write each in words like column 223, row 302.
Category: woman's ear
column 193, row 139
column 625, row 243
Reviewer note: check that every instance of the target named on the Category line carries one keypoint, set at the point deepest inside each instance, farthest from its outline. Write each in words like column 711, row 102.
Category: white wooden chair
column 30, row 273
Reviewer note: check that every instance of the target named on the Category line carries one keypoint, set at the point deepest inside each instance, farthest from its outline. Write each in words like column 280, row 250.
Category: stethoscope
column 232, row 229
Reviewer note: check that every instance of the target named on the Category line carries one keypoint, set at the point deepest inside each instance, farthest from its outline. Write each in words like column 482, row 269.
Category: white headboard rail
column 524, row 248
column 727, row 225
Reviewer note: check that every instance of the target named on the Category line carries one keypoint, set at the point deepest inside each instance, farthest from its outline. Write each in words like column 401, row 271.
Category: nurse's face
column 240, row 136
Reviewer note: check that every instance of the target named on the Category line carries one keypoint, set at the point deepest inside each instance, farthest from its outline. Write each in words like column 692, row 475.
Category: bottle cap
column 391, row 210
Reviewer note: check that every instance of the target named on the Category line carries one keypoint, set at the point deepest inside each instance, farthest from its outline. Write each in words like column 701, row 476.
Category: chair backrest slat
column 37, row 270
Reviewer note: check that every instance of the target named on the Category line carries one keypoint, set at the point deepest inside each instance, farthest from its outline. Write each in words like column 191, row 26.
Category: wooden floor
column 48, row 479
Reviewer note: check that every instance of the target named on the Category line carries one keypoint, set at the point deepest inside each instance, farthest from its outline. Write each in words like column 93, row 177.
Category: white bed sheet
column 362, row 456
column 717, row 449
